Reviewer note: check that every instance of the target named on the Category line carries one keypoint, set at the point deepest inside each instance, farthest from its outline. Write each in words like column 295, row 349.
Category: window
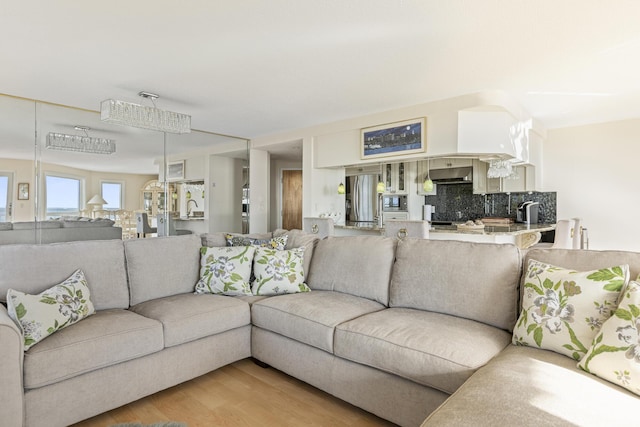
column 62, row 196
column 5, row 200
column 112, row 194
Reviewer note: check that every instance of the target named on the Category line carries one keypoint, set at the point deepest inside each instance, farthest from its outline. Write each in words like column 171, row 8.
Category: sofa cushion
column 56, row 308
column 310, row 317
column 162, row 266
column 107, row 338
column 188, row 317
column 562, row 309
column 583, row 260
column 300, row 239
column 432, row 349
column 338, row 264
column 225, row 270
column 30, row 225
column 477, row 281
column 278, row 272
column 524, row 386
column 278, row 243
column 104, row 269
column 220, row 238
column 615, row 352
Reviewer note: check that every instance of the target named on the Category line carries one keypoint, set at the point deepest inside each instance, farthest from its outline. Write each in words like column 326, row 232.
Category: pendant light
column 341, row 189
column 381, row 187
column 427, row 185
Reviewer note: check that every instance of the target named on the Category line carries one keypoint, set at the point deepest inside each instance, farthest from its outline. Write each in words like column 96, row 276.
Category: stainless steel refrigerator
column 362, row 198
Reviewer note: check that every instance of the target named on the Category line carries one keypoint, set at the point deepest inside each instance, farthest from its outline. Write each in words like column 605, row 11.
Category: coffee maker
column 528, row 212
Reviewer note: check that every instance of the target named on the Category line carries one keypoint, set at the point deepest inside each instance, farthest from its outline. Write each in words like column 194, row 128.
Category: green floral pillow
column 562, row 310
column 278, row 243
column 225, row 270
column 62, row 305
column 278, row 272
column 615, row 352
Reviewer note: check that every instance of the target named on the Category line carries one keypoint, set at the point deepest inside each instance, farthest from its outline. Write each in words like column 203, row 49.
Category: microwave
column 394, row 203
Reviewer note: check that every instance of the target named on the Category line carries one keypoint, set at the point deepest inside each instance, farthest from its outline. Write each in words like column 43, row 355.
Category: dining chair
column 142, row 225
column 323, row 227
column 401, row 228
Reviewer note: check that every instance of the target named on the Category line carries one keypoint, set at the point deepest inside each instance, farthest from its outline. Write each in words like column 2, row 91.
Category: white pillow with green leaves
column 615, row 352
column 62, row 305
column 278, row 272
column 225, row 270
column 562, row 309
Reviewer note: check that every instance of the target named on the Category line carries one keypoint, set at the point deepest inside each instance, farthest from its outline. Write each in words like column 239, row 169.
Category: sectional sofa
column 61, row 230
column 414, row 331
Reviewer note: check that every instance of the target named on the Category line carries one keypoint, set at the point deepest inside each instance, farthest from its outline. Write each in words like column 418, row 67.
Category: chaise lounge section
column 406, row 329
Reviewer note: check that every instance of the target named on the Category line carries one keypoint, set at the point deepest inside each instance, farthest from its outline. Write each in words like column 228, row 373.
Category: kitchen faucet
column 189, row 209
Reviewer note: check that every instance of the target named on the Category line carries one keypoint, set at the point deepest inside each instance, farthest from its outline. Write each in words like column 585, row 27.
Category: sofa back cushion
column 216, row 239
column 583, row 260
column 33, row 268
column 162, row 266
column 356, row 265
column 477, row 281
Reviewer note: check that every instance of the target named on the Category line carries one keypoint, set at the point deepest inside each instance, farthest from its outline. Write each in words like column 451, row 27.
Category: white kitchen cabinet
column 449, row 162
column 395, row 177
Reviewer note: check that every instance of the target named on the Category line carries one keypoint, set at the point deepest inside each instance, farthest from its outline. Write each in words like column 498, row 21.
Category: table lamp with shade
column 96, row 201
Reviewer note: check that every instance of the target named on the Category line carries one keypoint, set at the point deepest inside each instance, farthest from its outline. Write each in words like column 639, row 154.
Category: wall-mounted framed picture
column 394, row 139
column 175, row 171
column 23, row 191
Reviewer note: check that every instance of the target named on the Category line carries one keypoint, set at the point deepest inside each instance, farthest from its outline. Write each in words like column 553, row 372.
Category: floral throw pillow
column 278, row 272
column 62, row 305
column 562, row 310
column 278, row 243
column 615, row 352
column 225, row 270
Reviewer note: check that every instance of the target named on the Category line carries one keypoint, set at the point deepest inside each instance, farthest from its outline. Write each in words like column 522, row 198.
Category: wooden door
column 292, row 199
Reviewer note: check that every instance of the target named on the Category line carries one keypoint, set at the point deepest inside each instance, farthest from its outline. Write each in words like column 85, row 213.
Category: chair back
column 577, row 233
column 400, row 228
column 565, row 230
column 323, row 227
column 142, row 223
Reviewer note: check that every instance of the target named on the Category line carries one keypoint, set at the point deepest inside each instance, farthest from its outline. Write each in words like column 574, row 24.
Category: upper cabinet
column 449, row 162
column 394, row 176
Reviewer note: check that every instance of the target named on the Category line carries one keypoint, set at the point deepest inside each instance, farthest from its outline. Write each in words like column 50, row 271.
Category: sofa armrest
column 11, row 359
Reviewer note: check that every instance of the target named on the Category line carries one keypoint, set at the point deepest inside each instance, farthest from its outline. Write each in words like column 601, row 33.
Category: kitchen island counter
column 521, row 235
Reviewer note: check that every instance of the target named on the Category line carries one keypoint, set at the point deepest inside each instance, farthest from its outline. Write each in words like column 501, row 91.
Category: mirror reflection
column 49, row 195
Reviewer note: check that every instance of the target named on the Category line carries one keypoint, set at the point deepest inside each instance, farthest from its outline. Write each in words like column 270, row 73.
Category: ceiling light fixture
column 79, row 143
column 141, row 116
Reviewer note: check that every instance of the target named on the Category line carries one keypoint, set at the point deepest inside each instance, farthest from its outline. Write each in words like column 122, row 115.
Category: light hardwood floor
column 240, row 394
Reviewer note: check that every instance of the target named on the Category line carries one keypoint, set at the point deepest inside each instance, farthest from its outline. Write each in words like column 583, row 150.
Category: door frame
column 281, row 193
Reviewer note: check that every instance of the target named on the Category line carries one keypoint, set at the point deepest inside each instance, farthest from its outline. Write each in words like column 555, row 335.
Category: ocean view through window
column 62, row 196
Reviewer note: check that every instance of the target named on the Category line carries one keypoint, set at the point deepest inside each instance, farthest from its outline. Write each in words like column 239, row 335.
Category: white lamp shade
column 97, row 200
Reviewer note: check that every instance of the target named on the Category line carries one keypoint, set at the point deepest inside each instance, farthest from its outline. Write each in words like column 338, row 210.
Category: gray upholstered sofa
column 406, row 330
column 62, row 230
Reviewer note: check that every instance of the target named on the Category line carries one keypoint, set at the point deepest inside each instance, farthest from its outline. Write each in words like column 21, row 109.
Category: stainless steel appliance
column 361, row 198
column 394, row 203
column 527, row 212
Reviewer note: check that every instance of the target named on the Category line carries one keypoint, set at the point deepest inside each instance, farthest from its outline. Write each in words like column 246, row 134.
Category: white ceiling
column 253, row 67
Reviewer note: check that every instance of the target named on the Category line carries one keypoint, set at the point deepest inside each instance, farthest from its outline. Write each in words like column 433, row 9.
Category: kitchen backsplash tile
column 458, row 203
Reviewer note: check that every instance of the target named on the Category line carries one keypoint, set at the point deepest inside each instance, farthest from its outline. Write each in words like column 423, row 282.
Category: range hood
column 452, row 175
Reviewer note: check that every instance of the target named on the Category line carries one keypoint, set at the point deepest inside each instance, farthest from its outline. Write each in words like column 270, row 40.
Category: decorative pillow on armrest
column 62, row 305
column 225, row 270
column 563, row 310
column 278, row 272
column 615, row 352
column 278, row 243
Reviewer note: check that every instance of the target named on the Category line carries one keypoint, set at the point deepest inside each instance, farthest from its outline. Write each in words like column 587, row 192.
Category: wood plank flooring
column 241, row 394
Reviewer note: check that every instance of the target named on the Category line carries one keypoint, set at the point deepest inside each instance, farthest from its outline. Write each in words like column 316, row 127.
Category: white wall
column 259, row 177
column 225, row 194
column 594, row 170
